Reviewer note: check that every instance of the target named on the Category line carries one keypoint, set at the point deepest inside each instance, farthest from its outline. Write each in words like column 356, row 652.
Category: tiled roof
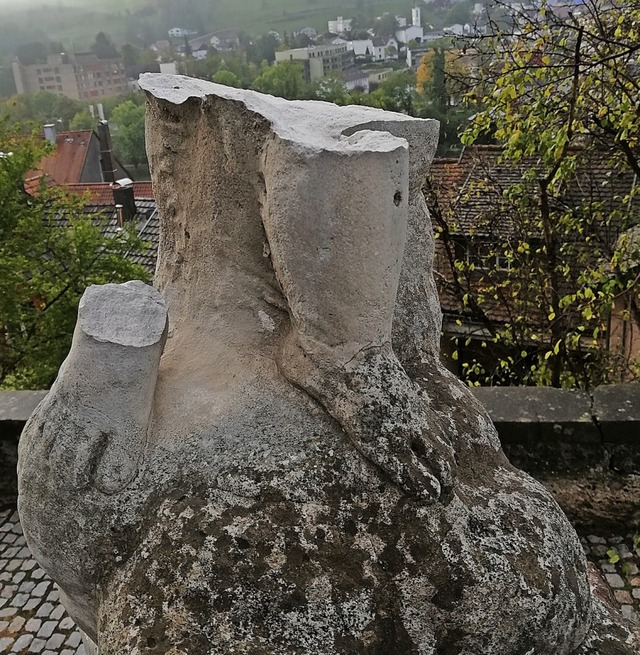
column 65, row 165
column 103, row 213
column 100, row 193
column 146, row 225
column 467, row 193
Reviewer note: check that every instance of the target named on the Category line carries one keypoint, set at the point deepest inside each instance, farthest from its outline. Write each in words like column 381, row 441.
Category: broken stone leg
column 295, row 473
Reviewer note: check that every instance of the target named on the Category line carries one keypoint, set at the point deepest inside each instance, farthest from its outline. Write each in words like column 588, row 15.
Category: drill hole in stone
column 397, row 198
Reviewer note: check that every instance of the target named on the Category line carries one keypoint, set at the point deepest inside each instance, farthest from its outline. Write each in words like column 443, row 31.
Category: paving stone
column 19, row 576
column 33, row 625
column 81, row 650
column 11, row 552
column 4, row 625
column 41, row 589
column 623, row 597
column 593, row 539
column 608, row 568
column 8, row 590
column 45, row 610
column 66, row 623
column 53, row 596
column 614, row 581
column 21, row 643
column 629, row 613
column 13, row 565
column 28, row 564
column 27, row 587
column 47, row 629
column 636, row 593
column 37, row 573
column 66, row 651
column 16, row 624
column 31, row 605
column 58, row 612
column 55, row 641
column 19, row 600
column 37, row 645
column 74, row 640
column 5, row 577
column 5, row 642
column 7, row 612
column 635, row 582
column 630, row 569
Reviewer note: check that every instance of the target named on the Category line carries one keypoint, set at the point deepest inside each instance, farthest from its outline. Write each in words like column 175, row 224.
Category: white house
column 384, row 48
column 340, row 25
column 180, row 32
column 361, row 47
column 356, row 79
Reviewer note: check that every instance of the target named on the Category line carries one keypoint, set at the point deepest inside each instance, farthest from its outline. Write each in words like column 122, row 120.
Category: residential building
column 81, row 76
column 361, row 47
column 225, row 40
column 472, row 219
column 79, row 157
column 356, row 80
column 180, row 32
column 123, row 203
column 384, row 48
column 340, row 25
column 378, row 76
column 319, row 60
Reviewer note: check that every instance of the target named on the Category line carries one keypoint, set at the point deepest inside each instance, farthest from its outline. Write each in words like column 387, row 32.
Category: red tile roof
column 65, row 165
column 100, row 193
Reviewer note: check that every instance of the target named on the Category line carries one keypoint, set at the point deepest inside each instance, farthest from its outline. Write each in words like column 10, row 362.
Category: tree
column 103, row 46
column 560, row 96
column 285, row 79
column 127, row 120
column 386, row 25
column 226, row 77
column 83, row 120
column 439, row 82
column 396, row 93
column 332, row 89
column 41, row 108
column 50, row 251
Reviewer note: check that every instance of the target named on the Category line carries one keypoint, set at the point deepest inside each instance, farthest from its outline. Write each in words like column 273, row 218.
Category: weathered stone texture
column 284, row 479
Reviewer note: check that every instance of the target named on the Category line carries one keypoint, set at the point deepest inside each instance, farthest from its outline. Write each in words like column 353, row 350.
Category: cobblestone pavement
column 32, row 620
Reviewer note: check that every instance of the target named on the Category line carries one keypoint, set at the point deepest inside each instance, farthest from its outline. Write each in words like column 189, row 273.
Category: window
column 487, row 255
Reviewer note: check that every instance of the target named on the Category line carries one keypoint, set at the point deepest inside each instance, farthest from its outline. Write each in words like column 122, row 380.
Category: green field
column 75, row 22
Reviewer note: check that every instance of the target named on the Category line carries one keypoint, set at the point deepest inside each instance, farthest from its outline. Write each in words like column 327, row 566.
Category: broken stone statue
column 262, row 454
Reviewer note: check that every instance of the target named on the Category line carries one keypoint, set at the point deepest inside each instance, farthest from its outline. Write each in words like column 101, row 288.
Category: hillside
column 75, row 22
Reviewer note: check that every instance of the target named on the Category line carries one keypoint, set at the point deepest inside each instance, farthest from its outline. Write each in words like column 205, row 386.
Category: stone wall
column 584, row 446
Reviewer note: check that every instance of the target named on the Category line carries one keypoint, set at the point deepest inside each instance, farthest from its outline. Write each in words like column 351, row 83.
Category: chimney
column 50, row 133
column 124, row 200
column 106, row 156
column 101, row 111
column 415, row 17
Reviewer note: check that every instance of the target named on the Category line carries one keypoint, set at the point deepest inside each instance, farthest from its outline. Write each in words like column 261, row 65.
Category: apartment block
column 80, row 76
column 319, row 60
